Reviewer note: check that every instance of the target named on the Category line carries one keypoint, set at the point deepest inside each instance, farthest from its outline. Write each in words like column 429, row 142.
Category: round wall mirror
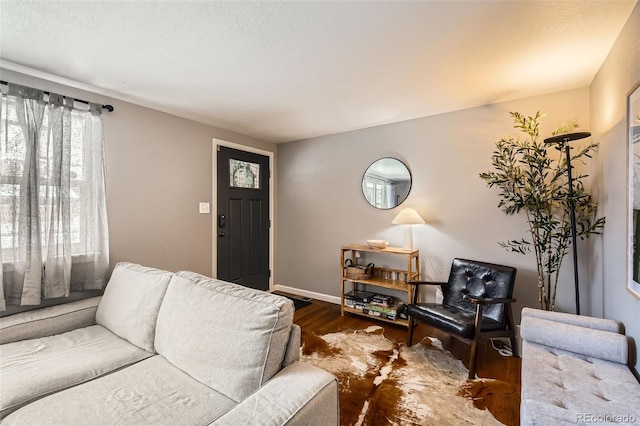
column 386, row 183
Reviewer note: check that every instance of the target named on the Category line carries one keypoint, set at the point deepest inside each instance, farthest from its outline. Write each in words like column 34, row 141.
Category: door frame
column 214, row 203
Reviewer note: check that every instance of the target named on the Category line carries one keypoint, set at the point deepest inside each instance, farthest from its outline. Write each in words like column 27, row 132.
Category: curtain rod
column 107, row 107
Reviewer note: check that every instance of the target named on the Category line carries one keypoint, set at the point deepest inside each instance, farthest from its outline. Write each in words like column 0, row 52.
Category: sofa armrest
column 300, row 394
column 49, row 321
column 293, row 346
column 585, row 341
column 579, row 320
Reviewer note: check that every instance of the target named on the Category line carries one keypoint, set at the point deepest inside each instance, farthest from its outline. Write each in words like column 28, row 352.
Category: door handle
column 220, row 233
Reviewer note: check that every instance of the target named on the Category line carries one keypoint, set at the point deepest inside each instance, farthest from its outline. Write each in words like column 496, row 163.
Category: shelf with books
column 357, row 293
column 398, row 321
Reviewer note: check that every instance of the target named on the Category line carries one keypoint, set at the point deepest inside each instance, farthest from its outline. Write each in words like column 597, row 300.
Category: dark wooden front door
column 243, row 218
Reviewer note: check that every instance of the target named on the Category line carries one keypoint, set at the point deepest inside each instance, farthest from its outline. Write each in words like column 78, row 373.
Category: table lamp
column 408, row 217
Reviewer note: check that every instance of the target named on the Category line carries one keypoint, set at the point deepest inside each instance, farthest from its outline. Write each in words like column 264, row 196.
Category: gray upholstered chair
column 477, row 304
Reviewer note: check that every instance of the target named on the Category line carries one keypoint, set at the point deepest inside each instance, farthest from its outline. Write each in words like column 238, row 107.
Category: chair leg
column 472, row 362
column 410, row 334
column 474, row 343
column 512, row 331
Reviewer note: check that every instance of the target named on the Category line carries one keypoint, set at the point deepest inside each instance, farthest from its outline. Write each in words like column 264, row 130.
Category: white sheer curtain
column 53, row 218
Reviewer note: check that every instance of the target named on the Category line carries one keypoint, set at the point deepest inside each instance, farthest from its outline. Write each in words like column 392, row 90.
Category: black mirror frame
column 399, row 201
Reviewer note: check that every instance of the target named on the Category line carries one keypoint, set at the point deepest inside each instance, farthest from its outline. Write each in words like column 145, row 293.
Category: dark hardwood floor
column 322, row 318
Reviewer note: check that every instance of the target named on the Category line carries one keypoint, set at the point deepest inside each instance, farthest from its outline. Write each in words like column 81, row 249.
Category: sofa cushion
column 574, row 338
column 536, row 413
column 129, row 307
column 31, row 369
column 292, row 353
column 300, row 394
column 152, row 392
column 564, row 385
column 585, row 321
column 227, row 336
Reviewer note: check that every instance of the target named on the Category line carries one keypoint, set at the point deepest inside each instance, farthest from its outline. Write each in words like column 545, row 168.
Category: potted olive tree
column 532, row 178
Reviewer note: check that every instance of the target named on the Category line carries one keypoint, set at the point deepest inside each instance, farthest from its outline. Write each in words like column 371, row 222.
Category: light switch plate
column 204, row 208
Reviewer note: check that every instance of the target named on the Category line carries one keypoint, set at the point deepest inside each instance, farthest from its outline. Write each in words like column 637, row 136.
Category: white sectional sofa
column 575, row 371
column 163, row 349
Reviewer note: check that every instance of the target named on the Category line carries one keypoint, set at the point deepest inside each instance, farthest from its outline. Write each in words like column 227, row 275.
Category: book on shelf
column 383, row 299
column 391, row 310
column 379, row 314
column 354, row 304
column 375, row 304
column 359, row 296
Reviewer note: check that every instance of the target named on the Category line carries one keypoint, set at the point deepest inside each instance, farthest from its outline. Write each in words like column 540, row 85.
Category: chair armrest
column 49, row 321
column 300, row 394
column 414, row 298
column 487, row 300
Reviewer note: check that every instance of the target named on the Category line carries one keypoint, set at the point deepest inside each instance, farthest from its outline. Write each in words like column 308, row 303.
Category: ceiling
column 283, row 71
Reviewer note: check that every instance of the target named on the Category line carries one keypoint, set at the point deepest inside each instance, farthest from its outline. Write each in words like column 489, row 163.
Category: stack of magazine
column 374, row 304
column 358, row 299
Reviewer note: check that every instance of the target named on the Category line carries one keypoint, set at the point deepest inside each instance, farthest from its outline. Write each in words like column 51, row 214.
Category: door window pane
column 243, row 174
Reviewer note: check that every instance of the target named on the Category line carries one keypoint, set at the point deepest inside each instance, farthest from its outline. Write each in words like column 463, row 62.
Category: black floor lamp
column 564, row 140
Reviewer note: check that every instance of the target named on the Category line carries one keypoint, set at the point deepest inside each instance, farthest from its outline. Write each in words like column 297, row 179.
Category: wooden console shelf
column 395, row 279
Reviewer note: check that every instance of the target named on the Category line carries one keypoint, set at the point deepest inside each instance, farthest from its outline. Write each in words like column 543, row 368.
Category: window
column 13, row 151
column 243, row 174
column 53, row 225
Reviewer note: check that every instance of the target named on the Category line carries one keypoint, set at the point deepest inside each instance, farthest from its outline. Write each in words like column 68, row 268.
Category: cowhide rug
column 386, row 383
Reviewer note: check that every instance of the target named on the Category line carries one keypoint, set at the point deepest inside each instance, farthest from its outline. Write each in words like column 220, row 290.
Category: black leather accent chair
column 477, row 304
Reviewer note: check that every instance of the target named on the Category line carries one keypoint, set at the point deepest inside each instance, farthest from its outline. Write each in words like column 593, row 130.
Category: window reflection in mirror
column 386, row 183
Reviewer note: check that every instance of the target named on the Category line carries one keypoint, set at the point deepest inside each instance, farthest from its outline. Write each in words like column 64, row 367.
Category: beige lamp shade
column 408, row 216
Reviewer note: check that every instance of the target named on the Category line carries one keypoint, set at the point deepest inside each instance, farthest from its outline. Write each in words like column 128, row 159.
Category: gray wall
column 617, row 76
column 321, row 206
column 158, row 170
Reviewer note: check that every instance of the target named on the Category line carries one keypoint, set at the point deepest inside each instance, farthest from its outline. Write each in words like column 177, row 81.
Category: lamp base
column 408, row 238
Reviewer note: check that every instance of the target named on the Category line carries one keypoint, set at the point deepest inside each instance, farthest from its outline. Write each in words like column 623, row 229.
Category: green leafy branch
column 532, row 181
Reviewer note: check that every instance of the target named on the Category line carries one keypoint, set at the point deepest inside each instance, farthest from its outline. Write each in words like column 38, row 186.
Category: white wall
column 321, row 206
column 617, row 76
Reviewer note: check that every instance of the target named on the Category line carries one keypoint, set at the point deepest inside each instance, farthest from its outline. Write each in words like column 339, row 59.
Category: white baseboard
column 307, row 293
